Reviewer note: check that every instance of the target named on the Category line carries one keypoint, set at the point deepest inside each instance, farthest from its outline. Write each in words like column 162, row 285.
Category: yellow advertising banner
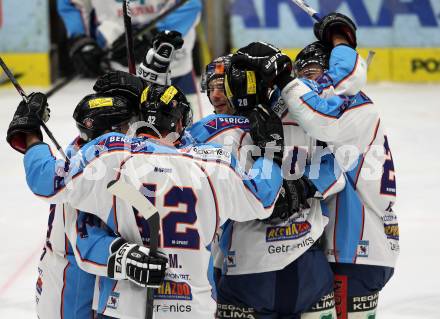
column 30, row 68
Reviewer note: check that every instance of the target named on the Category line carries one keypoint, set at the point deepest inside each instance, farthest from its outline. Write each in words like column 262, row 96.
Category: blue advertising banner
column 24, row 26
column 381, row 23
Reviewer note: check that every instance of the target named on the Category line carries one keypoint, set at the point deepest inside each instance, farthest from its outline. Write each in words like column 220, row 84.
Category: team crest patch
column 88, row 123
column 363, row 248
column 211, row 125
column 291, row 231
column 113, row 300
column 219, row 123
column 173, row 290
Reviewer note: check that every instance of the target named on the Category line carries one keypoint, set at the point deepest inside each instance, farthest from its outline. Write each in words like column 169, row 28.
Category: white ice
column 412, row 116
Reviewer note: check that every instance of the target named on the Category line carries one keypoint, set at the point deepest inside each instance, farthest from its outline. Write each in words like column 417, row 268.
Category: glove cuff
column 17, row 139
column 152, row 76
column 116, row 261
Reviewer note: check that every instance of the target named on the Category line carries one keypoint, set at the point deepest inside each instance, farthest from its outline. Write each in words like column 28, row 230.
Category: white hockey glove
column 132, row 262
column 155, row 67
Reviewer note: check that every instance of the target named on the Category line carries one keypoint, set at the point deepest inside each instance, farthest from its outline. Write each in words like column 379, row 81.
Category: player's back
column 194, row 189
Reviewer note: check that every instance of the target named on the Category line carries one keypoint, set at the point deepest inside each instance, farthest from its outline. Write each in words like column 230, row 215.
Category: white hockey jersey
column 363, row 227
column 253, row 246
column 195, row 190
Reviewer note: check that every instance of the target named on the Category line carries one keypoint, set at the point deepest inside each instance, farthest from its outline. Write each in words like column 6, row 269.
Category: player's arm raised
column 347, row 71
column 326, row 119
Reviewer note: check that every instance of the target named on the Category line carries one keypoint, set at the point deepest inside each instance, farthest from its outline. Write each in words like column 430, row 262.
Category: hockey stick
column 315, row 15
column 129, row 36
column 4, row 79
column 26, row 99
column 308, row 9
column 133, row 197
column 151, row 24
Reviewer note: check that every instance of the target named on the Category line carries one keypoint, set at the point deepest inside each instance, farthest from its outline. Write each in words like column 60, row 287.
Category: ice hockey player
column 63, row 289
column 68, row 290
column 201, row 180
column 297, row 225
column 95, row 25
column 362, row 239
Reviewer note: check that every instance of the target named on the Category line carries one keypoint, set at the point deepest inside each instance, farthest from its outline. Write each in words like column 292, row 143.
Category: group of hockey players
column 278, row 205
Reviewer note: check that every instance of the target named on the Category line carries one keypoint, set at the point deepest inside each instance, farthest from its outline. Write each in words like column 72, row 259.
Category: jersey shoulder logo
column 223, row 122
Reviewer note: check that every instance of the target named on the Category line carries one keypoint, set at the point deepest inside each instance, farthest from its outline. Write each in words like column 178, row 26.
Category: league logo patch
column 391, row 231
column 363, row 248
column 289, row 232
column 230, row 259
column 173, row 290
column 113, row 300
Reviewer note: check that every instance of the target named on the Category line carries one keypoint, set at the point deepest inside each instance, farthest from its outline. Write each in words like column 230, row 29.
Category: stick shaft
column 13, row 80
column 308, row 9
column 129, row 36
column 25, row 98
column 153, row 22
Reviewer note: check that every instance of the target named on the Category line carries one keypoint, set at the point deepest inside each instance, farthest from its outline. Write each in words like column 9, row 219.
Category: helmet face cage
column 315, row 53
column 97, row 113
column 214, row 70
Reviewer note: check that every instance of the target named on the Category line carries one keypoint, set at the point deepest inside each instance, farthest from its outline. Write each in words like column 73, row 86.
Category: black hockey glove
column 335, row 23
column 27, row 119
column 87, row 57
column 121, row 82
column 292, row 199
column 269, row 62
column 141, row 44
column 155, row 67
column 132, row 262
column 267, row 133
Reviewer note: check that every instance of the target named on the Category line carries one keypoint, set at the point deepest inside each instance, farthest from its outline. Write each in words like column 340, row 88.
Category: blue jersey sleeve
column 183, row 18
column 265, row 182
column 71, row 17
column 325, row 174
column 41, row 170
column 93, row 241
column 347, row 72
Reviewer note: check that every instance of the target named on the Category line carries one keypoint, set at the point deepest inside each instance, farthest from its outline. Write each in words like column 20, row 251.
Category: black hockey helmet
column 164, row 106
column 244, row 89
column 215, row 70
column 314, row 53
column 100, row 112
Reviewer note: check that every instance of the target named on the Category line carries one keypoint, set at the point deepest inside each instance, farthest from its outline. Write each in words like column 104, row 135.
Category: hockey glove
column 121, row 82
column 292, row 199
column 132, row 262
column 267, row 133
column 141, row 44
column 87, row 57
column 335, row 23
column 155, row 67
column 269, row 62
column 27, row 119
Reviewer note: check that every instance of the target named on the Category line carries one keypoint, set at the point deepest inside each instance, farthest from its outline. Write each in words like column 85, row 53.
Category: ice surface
column 412, row 116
